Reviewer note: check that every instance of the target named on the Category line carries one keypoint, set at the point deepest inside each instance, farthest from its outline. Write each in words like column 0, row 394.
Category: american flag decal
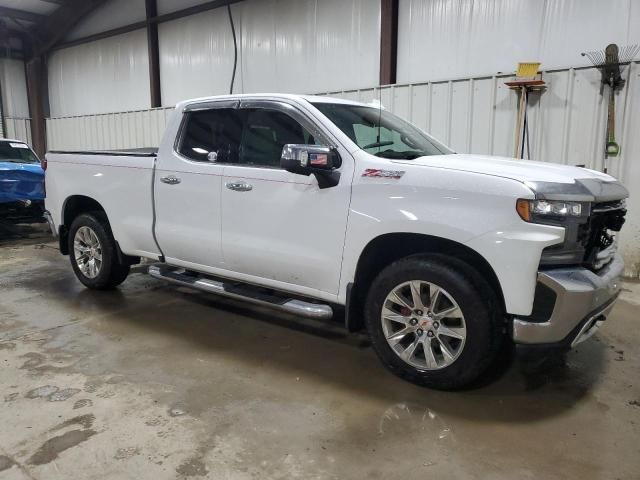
column 376, row 172
column 318, row 159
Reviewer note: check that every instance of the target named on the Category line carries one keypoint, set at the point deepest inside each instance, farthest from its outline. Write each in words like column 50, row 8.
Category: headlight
column 548, row 209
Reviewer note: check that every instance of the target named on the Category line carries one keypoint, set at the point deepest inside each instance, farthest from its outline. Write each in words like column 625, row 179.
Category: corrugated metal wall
column 441, row 39
column 14, row 88
column 18, row 128
column 135, row 129
column 284, row 46
column 477, row 115
column 109, row 75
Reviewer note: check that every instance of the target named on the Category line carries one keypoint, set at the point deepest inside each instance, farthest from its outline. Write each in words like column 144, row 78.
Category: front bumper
column 583, row 299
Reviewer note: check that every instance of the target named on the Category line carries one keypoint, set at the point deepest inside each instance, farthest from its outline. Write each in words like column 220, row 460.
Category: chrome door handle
column 170, row 180
column 239, row 186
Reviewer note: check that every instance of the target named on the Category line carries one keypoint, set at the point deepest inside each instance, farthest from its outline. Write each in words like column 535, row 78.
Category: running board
column 241, row 291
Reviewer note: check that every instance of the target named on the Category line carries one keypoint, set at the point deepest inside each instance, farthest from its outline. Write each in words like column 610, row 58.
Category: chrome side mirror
column 312, row 159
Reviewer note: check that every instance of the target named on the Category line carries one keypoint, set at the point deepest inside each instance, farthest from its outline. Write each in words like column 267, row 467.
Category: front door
column 278, row 226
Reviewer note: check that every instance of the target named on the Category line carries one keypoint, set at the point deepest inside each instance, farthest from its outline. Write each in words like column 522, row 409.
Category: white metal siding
column 14, row 88
column 196, row 56
column 18, row 128
column 284, row 46
column 134, row 129
column 440, row 39
column 109, row 15
column 107, row 75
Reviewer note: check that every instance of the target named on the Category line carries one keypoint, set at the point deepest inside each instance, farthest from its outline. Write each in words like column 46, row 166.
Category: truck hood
column 21, row 181
column 547, row 180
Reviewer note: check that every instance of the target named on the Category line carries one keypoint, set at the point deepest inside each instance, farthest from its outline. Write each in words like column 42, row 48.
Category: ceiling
column 24, row 14
column 36, row 25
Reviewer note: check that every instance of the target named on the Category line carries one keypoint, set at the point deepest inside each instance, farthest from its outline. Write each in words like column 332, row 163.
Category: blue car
column 21, row 181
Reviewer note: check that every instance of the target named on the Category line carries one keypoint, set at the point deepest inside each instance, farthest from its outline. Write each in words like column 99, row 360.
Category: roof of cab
column 267, row 96
column 12, row 140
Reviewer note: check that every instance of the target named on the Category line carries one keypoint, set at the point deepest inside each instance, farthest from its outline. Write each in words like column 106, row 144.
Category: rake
column 609, row 61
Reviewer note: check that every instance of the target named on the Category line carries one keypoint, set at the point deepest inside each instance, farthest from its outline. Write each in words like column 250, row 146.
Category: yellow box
column 527, row 69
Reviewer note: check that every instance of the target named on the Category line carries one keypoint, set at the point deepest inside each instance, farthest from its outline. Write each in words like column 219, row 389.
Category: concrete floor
column 152, row 381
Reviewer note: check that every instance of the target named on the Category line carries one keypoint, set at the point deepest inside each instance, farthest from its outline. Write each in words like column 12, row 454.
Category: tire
column 92, row 231
column 463, row 343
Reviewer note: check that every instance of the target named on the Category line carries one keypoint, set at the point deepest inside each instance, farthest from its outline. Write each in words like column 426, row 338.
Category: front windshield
column 381, row 133
column 17, row 152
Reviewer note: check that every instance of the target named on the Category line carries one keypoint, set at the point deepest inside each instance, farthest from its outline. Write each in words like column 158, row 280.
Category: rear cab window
column 17, row 152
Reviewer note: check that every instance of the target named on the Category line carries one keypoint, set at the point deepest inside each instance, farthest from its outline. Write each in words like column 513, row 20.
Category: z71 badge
column 375, row 172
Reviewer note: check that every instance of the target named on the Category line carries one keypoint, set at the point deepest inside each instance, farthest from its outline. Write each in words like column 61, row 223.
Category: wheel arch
column 73, row 206
column 387, row 248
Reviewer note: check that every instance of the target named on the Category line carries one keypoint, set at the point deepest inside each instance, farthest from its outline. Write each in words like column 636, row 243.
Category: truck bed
column 121, row 181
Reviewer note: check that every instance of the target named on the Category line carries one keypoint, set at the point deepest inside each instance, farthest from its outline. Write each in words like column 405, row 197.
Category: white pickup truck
column 311, row 204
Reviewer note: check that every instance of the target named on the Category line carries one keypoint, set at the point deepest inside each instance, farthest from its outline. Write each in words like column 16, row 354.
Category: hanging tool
column 609, row 61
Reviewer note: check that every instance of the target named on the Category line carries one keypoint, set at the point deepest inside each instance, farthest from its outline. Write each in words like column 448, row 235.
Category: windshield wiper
column 378, row 144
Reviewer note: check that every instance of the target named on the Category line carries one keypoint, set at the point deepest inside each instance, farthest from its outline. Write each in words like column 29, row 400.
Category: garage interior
column 156, row 381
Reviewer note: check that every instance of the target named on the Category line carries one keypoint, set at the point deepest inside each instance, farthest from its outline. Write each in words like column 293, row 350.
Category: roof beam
column 52, row 28
column 20, row 14
column 8, row 31
column 203, row 7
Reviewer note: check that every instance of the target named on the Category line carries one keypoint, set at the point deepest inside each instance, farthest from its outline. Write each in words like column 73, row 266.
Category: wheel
column 434, row 321
column 93, row 252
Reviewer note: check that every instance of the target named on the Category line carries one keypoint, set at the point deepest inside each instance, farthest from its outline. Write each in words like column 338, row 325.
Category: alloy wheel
column 87, row 252
column 423, row 325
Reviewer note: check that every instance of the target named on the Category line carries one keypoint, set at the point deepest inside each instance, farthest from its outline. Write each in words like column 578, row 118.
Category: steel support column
column 154, row 53
column 36, row 84
column 388, row 41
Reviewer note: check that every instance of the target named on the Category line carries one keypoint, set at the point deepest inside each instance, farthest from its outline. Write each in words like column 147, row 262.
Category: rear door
column 278, row 226
column 187, row 185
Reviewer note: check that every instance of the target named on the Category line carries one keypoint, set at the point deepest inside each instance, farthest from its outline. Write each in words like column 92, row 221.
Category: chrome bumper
column 583, row 300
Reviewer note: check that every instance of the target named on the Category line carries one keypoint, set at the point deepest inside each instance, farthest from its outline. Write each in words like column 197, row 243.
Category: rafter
column 50, row 29
column 20, row 14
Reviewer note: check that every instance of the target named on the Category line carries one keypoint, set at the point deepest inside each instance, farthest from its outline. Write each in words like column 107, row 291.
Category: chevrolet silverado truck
column 312, row 205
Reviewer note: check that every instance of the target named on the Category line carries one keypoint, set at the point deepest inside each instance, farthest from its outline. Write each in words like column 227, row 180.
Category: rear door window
column 212, row 135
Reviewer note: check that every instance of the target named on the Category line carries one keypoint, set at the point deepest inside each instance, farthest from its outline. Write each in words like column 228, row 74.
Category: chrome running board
column 241, row 291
